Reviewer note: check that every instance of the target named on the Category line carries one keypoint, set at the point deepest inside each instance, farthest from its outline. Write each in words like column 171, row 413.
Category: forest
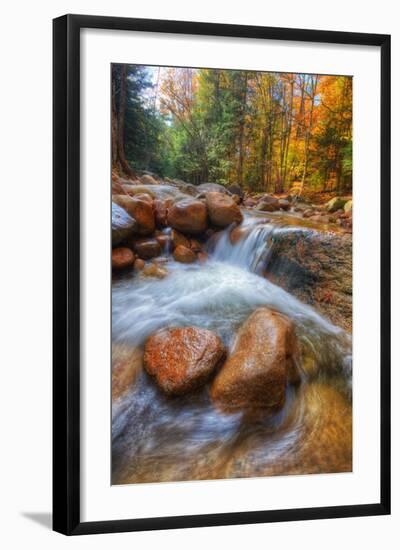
column 265, row 131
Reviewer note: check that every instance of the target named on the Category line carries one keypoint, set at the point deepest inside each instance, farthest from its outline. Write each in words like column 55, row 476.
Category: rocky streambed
column 231, row 344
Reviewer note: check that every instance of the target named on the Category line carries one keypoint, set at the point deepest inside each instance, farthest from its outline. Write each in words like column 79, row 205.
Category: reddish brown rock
column 139, row 210
column 144, row 197
column 178, row 239
column 184, row 255
column 188, row 216
column 238, row 233
column 160, row 208
column 122, row 258
column 222, row 209
column 182, row 359
column 147, row 248
column 139, row 264
column 196, row 245
column 164, row 241
column 263, row 360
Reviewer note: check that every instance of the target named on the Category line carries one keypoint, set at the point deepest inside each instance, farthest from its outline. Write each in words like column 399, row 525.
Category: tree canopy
column 264, row 131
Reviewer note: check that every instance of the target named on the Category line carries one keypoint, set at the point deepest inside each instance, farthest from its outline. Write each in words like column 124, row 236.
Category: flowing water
column 158, row 438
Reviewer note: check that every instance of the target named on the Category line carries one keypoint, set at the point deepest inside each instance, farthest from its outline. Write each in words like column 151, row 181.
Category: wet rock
column 164, row 241
column 284, row 204
column 154, row 270
column 188, row 216
column 160, row 208
column 212, row 187
column 315, row 266
column 250, row 202
column 334, row 204
column 182, row 359
column 144, row 197
column 139, row 264
column 184, row 255
column 126, row 365
column 184, row 187
column 147, row 248
column 236, row 190
column 147, row 179
column 122, row 258
column 268, row 203
column 122, row 224
column 262, row 362
column 138, row 189
column 178, row 239
column 222, row 209
column 196, row 245
column 238, row 233
column 140, row 210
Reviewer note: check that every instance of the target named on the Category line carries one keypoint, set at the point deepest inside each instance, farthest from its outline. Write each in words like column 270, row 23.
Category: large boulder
column 335, row 204
column 222, row 209
column 140, row 210
column 315, row 266
column 188, row 216
column 122, row 258
column 262, row 362
column 122, row 224
column 182, row 358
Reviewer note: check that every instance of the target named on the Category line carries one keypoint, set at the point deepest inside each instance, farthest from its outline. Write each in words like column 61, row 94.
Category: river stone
column 147, row 248
column 188, row 216
column 262, row 362
column 216, row 187
column 236, row 190
column 160, row 208
column 184, row 255
column 122, row 258
column 147, row 179
column 140, row 210
column 126, row 365
column 222, row 209
column 334, row 204
column 182, row 359
column 284, row 204
column 116, row 188
column 122, row 224
column 179, row 239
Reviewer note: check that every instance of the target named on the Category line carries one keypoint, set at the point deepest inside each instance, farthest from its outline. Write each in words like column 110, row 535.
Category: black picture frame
column 66, row 273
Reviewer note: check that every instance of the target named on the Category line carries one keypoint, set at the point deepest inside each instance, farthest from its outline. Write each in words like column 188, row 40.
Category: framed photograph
column 221, row 274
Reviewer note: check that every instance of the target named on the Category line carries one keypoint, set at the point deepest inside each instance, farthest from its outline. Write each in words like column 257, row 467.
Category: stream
column 157, row 438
